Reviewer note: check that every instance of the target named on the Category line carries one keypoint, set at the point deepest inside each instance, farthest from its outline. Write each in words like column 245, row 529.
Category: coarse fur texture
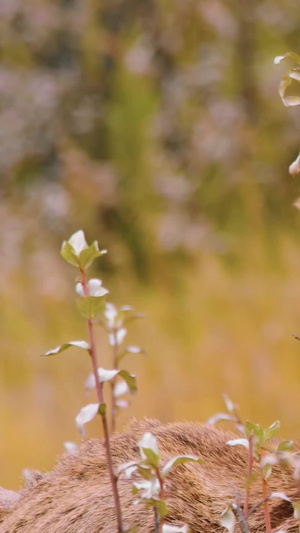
column 76, row 496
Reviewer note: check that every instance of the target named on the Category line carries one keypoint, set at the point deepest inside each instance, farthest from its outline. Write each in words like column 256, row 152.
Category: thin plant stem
column 249, row 473
column 99, row 389
column 162, row 497
column 266, row 504
column 156, row 520
column 113, row 381
column 242, row 522
column 257, row 505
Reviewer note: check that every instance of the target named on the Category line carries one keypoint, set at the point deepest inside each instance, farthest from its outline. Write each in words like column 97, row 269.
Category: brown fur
column 7, row 499
column 76, row 496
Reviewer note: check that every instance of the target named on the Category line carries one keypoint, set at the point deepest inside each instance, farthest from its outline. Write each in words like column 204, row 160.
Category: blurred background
column 156, row 127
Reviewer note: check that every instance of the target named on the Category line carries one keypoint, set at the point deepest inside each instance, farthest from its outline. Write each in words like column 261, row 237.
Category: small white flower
column 110, row 314
column 121, row 388
column 150, row 488
column 118, row 337
column 94, row 288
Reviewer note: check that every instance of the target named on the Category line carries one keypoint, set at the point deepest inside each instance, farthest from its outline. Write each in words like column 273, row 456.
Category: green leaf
column 267, row 471
column 271, row 431
column 258, row 432
column 288, row 101
column 68, row 254
column 150, row 457
column 130, row 379
column 71, row 249
column 102, row 409
column 133, row 529
column 78, row 344
column 77, row 252
column 161, row 507
column 228, row 519
column 179, row 460
column 90, row 306
column 87, row 256
column 149, row 450
column 135, row 489
column 145, row 471
column 285, row 446
column 289, row 55
column 109, row 375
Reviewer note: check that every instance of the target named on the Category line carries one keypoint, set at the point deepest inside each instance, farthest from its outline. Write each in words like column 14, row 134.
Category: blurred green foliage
column 155, row 126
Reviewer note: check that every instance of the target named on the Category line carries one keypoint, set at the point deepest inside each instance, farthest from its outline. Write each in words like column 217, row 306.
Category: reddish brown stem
column 249, row 473
column 113, row 382
column 266, row 504
column 162, row 497
column 99, row 390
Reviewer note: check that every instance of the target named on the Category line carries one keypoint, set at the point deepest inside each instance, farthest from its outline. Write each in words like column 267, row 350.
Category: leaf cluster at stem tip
column 261, row 437
column 78, row 253
column 150, row 490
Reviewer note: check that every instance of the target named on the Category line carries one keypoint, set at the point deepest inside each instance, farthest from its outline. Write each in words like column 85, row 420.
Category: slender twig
column 156, row 519
column 266, row 504
column 242, row 520
column 113, row 381
column 249, row 473
column 162, row 497
column 257, row 505
column 99, row 389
